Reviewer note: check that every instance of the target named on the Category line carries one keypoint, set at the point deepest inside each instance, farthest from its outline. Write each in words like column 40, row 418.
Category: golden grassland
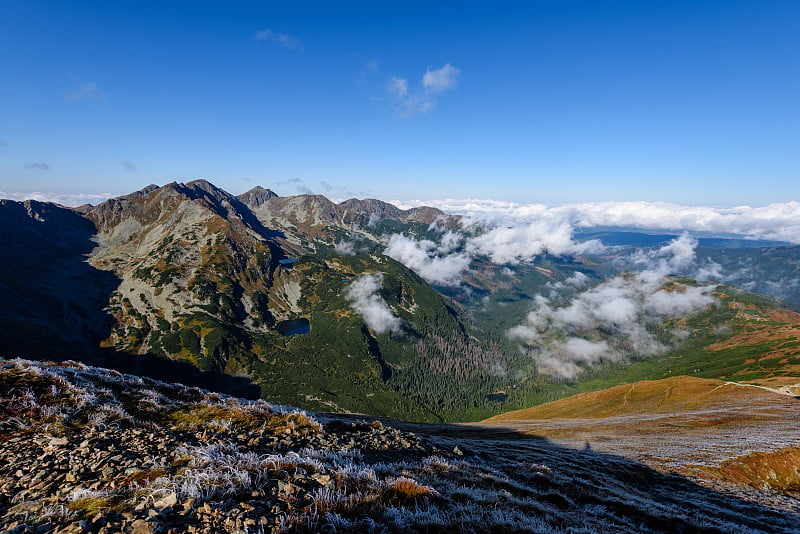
column 675, row 394
column 776, row 470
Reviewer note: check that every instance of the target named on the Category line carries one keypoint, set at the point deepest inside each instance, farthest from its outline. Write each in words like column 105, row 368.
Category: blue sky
column 693, row 102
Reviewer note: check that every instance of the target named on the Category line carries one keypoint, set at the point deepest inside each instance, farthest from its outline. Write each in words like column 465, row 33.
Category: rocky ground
column 90, row 450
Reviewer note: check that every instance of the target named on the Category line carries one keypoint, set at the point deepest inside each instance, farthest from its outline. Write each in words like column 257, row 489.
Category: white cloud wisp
column 424, row 98
column 362, row 293
column 446, row 262
column 284, row 40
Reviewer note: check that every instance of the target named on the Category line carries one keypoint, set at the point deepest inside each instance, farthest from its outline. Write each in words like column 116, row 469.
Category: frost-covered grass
column 315, row 473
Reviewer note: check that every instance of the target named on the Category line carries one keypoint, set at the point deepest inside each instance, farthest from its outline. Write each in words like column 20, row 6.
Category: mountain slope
column 668, row 395
column 201, row 280
column 187, row 260
column 93, row 450
column 312, row 223
column 743, row 337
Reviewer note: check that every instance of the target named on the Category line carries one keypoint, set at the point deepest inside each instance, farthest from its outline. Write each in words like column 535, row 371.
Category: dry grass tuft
column 89, row 506
column 142, row 477
column 403, row 490
column 242, row 418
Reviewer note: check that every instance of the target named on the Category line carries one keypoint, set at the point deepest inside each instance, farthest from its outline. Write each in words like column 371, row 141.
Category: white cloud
column 576, row 280
column 609, row 321
column 422, row 98
column 444, row 263
column 285, row 40
column 674, row 257
column 365, row 300
column 440, row 80
column 64, row 199
column 712, row 271
column 515, row 244
column 779, row 221
column 680, row 301
column 87, row 90
column 346, row 248
column 398, row 87
column 436, row 264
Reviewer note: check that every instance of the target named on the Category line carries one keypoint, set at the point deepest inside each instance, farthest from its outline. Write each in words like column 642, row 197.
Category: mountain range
column 313, row 303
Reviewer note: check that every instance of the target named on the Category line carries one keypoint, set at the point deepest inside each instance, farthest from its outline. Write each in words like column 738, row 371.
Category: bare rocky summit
column 84, row 449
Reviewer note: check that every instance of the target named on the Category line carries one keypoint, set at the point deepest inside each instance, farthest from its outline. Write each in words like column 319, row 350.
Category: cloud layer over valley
column 436, row 263
column 613, row 321
column 780, row 221
column 444, row 263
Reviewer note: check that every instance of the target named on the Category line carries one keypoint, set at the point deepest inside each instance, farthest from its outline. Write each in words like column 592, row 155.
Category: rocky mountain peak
column 256, row 196
column 384, row 210
column 372, row 207
column 208, row 188
column 152, row 203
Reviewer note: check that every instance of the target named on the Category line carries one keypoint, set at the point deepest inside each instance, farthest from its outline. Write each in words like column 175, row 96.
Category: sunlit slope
column 777, row 471
column 669, row 395
column 770, row 335
column 724, row 432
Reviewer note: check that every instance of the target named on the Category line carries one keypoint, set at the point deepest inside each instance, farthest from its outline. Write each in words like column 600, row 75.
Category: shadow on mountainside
column 52, row 301
column 649, row 500
column 167, row 370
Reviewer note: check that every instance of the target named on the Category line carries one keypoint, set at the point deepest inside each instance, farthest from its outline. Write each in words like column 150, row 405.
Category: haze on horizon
column 537, row 103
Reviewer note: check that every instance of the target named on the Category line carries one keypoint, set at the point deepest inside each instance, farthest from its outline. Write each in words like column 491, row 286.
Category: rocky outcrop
column 256, row 196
